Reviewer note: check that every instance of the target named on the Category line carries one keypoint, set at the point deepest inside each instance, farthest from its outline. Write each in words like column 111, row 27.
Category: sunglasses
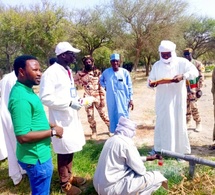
column 70, row 53
column 186, row 53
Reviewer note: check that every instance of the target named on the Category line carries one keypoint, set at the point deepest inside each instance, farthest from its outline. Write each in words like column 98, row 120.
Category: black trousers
column 64, row 163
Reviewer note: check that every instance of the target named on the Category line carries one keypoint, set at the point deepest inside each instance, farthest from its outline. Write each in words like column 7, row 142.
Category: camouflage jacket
column 90, row 82
column 194, row 86
column 197, row 83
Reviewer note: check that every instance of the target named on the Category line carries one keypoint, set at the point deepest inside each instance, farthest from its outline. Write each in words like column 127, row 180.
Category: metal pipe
column 191, row 158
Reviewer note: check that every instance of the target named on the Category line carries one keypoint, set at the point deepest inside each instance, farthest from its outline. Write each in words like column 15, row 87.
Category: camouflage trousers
column 91, row 117
column 192, row 111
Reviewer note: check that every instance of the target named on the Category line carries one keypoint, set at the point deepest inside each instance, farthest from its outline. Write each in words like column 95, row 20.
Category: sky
column 198, row 7
column 203, row 7
column 67, row 3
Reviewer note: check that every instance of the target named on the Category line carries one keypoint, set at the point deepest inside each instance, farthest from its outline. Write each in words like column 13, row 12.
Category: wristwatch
column 53, row 132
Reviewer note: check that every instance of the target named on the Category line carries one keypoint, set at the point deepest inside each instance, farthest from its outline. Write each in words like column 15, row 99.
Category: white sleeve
column 191, row 71
column 134, row 160
column 143, row 158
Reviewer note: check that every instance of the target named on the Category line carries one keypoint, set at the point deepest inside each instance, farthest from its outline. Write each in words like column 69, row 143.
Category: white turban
column 167, row 46
column 126, row 127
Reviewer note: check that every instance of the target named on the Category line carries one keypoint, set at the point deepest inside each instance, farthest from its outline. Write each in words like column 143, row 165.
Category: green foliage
column 92, row 30
column 11, row 35
column 199, row 35
column 135, row 28
column 102, row 58
column 43, row 29
column 209, row 68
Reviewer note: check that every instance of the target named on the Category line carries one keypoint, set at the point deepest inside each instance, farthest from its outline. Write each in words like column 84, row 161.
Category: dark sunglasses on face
column 70, row 53
column 166, row 54
column 186, row 53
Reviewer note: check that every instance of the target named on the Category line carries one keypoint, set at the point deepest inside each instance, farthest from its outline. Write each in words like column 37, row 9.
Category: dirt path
column 144, row 115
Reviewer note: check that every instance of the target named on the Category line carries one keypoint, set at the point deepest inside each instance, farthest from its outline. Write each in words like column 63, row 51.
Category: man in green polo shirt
column 31, row 126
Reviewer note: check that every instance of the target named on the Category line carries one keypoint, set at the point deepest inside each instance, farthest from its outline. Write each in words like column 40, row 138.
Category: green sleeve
column 21, row 113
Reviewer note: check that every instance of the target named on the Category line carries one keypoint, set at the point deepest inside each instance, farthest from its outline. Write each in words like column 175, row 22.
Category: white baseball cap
column 63, row 47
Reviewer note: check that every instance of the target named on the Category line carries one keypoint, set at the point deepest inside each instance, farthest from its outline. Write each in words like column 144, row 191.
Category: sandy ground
column 144, row 115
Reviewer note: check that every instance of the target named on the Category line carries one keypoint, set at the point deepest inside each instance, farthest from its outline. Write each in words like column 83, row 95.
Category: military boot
column 77, row 181
column 198, row 127
column 189, row 124
column 94, row 133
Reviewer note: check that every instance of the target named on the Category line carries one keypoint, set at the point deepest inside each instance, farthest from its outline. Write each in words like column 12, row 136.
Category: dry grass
column 200, row 185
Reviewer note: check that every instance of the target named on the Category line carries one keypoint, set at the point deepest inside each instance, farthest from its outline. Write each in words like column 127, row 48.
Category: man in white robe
column 170, row 128
column 15, row 171
column 120, row 169
column 3, row 149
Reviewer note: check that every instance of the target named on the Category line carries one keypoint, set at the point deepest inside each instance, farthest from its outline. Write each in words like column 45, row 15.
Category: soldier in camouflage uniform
column 193, row 91
column 89, row 79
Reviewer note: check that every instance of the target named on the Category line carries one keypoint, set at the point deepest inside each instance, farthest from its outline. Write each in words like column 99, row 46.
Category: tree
column 94, row 29
column 34, row 31
column 200, row 36
column 149, row 22
column 45, row 26
column 11, row 35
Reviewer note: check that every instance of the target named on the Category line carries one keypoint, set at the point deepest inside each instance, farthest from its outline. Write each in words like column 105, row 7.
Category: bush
column 209, row 68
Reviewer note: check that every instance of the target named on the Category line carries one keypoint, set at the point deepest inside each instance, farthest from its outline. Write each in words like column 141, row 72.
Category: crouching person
column 120, row 169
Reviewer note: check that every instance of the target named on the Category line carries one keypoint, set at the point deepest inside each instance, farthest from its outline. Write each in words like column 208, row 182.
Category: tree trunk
column 148, row 65
column 137, row 59
column 8, row 67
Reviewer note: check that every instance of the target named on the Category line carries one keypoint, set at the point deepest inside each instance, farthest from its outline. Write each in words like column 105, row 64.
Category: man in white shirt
column 58, row 93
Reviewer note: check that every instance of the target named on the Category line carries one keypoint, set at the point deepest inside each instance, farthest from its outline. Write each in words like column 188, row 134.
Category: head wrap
column 188, row 50
column 86, row 58
column 88, row 66
column 188, row 54
column 167, row 46
column 126, row 127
